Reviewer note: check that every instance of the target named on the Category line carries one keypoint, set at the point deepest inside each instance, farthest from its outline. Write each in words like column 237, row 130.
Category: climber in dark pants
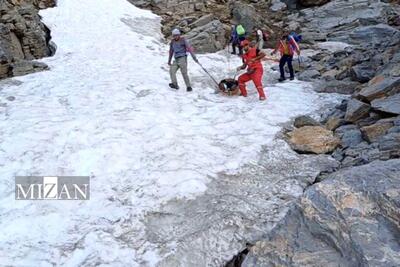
column 287, row 46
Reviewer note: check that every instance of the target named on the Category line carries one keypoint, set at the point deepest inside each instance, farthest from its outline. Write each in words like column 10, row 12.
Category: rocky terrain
column 23, row 37
column 349, row 216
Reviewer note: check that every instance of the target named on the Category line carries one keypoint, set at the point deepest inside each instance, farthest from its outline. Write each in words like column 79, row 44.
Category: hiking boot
column 173, row 86
column 281, row 79
column 262, row 98
column 233, row 53
column 291, row 78
column 189, row 89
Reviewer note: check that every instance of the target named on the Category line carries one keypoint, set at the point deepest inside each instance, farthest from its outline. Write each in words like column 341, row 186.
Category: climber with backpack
column 179, row 47
column 238, row 35
column 287, row 46
column 252, row 61
column 259, row 38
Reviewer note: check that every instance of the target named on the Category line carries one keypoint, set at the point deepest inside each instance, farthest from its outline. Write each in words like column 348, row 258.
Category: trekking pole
column 215, row 81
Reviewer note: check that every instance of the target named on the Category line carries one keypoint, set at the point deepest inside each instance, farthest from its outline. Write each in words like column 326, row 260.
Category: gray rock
column 396, row 121
column 351, row 138
column 395, row 129
column 277, row 5
column 26, row 67
column 358, row 150
column 389, row 104
column 202, row 21
column 208, row 38
column 380, row 35
column 345, row 128
column 334, row 86
column 391, row 61
column 334, row 122
column 245, row 15
column 305, row 121
column 350, row 162
column 336, row 20
column 349, row 219
column 291, row 4
column 380, row 87
column 308, row 75
column 356, row 110
column 390, row 142
column 22, row 36
column 362, row 73
column 373, row 132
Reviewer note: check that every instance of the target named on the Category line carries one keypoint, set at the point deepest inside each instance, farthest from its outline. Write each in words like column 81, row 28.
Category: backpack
column 240, row 30
column 296, row 37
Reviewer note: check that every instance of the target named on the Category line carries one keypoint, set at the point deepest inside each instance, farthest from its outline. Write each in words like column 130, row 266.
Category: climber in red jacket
column 252, row 60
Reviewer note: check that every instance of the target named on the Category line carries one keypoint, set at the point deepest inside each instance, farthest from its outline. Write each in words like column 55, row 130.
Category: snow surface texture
column 105, row 110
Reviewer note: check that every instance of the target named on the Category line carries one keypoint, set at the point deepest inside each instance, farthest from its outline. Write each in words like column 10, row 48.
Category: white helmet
column 176, row 32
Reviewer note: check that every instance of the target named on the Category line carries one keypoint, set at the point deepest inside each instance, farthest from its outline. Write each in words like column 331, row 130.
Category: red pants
column 256, row 77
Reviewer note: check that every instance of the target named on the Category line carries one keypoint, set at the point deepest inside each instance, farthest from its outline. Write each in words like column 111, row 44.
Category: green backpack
column 240, row 30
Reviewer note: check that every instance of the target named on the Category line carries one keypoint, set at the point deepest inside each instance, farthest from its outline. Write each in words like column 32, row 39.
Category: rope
column 215, row 81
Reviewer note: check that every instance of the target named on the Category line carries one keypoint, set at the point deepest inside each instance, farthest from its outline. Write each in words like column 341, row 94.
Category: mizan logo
column 52, row 188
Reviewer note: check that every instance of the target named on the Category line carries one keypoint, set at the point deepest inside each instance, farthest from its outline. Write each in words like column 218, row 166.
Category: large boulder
column 313, row 139
column 373, row 132
column 380, row 87
column 389, row 104
column 349, row 219
column 208, row 38
column 338, row 19
column 372, row 36
column 245, row 15
column 356, row 110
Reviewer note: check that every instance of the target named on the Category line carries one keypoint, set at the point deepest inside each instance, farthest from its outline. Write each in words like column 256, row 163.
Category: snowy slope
column 104, row 109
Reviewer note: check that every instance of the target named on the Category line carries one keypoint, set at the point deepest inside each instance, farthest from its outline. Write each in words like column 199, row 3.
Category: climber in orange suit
column 252, row 60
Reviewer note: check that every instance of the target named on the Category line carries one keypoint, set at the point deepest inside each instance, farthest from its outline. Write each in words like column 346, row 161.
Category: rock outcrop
column 183, row 14
column 23, row 37
column 313, row 139
column 205, row 23
column 349, row 219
